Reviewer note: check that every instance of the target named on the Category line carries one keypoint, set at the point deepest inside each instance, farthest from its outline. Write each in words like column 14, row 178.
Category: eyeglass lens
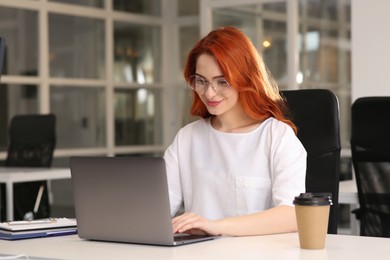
column 198, row 83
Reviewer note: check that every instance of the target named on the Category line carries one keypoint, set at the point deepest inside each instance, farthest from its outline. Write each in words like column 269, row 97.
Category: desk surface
column 283, row 246
column 15, row 174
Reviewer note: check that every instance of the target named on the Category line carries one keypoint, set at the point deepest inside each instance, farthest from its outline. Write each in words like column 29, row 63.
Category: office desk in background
column 281, row 246
column 11, row 175
column 348, row 192
column 348, row 195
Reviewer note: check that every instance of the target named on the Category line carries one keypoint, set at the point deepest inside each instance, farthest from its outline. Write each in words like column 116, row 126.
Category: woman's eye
column 223, row 83
column 200, row 82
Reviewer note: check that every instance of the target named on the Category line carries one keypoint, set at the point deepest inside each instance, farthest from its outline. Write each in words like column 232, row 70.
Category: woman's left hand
column 191, row 223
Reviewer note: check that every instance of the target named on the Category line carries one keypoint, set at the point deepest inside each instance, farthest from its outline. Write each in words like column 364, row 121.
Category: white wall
column 370, row 48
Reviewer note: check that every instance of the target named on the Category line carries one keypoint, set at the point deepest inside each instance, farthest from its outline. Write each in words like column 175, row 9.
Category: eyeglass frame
column 213, row 84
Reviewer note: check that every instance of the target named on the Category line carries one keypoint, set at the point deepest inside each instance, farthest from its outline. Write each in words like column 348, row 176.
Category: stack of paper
column 13, row 230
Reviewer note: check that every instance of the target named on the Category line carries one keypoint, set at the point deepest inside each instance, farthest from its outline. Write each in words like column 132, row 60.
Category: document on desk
column 15, row 230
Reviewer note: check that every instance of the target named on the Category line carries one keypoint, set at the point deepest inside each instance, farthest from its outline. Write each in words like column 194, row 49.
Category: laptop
column 124, row 199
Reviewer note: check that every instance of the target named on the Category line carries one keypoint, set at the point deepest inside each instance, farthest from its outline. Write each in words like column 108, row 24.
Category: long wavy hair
column 244, row 69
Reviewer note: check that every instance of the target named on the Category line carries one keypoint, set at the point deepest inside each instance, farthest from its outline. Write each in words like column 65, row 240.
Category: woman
column 238, row 168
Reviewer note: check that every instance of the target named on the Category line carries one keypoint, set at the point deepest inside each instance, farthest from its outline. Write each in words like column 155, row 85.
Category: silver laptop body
column 124, row 199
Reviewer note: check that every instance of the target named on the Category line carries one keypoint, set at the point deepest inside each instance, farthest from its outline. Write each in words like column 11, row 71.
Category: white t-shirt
column 220, row 174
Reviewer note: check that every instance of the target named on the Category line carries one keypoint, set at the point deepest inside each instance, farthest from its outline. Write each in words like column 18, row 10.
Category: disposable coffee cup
column 312, row 213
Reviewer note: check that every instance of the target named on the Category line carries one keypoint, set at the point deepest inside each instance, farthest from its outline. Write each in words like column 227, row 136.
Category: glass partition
column 81, row 116
column 138, row 116
column 15, row 100
column 150, row 7
column 76, row 47
column 92, row 3
column 19, row 28
column 188, row 7
column 137, row 53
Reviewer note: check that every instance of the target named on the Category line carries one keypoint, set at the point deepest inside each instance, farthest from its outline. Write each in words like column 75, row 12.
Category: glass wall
column 76, row 47
column 187, row 7
column 138, row 117
column 93, row 3
column 96, row 64
column 19, row 27
column 149, row 7
column 137, row 53
column 81, row 118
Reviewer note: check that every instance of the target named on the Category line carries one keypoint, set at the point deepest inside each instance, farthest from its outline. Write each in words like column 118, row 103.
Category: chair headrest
column 371, row 123
column 316, row 114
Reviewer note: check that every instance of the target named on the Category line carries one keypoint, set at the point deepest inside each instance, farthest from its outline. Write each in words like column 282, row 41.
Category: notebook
column 23, row 229
column 124, row 199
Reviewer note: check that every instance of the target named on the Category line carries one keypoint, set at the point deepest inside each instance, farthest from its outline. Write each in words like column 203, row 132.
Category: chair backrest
column 370, row 145
column 316, row 114
column 32, row 141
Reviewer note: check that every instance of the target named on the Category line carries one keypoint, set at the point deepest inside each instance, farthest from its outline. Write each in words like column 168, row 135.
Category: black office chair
column 316, row 114
column 32, row 143
column 370, row 145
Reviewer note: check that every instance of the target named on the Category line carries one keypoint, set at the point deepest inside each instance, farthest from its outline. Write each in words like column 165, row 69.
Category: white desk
column 283, row 246
column 11, row 175
column 348, row 192
column 348, row 195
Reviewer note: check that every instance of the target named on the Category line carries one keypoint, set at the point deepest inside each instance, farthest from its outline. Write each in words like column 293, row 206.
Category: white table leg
column 9, row 190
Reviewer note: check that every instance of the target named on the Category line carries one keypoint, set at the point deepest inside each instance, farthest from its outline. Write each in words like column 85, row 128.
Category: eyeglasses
column 200, row 84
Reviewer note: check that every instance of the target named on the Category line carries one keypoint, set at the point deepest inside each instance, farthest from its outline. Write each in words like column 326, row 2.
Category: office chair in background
column 316, row 114
column 32, row 143
column 370, row 145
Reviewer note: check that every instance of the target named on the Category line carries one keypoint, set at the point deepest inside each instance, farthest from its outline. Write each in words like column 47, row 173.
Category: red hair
column 244, row 69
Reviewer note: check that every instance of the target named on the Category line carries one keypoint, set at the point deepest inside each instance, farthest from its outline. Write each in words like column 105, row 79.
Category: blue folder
column 36, row 234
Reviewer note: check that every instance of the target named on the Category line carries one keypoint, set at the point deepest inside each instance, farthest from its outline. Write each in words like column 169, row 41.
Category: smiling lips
column 213, row 103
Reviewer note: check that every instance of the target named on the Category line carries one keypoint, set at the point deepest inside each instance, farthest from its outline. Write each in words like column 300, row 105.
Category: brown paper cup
column 312, row 220
column 312, row 226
